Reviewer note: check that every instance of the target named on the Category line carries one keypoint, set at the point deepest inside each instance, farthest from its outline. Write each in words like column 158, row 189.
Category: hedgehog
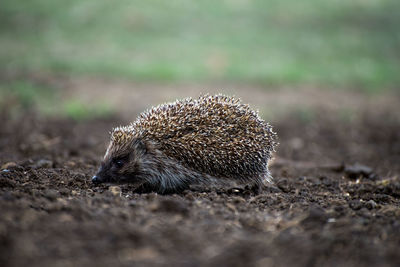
column 205, row 141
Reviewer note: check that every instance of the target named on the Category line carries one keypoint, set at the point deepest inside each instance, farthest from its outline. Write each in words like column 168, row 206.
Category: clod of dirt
column 316, row 217
column 43, row 163
column 358, row 171
column 355, row 204
column 371, row 204
column 284, row 185
column 8, row 165
column 115, row 190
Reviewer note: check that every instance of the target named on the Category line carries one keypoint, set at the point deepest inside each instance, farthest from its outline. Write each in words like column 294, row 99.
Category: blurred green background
column 335, row 44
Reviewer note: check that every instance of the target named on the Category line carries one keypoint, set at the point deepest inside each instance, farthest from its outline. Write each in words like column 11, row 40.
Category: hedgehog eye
column 119, row 162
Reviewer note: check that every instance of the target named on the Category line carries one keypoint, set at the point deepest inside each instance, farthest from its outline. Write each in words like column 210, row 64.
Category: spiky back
column 216, row 135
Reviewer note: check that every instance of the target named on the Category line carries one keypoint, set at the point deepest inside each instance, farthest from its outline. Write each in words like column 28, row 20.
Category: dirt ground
column 335, row 201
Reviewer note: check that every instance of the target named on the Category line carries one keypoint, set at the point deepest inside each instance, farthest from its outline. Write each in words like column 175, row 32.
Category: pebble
column 371, row 204
column 283, row 184
column 355, row 204
column 357, row 170
column 115, row 190
column 43, row 163
column 8, row 165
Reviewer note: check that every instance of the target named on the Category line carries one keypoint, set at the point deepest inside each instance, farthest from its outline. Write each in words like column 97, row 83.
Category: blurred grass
column 79, row 111
column 21, row 96
column 337, row 43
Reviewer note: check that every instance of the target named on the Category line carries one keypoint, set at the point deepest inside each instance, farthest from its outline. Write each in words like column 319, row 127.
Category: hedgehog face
column 122, row 164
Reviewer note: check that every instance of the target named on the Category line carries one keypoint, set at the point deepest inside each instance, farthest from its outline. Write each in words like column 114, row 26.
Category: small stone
column 70, row 164
column 371, row 204
column 43, row 163
column 283, row 184
column 357, row 170
column 115, row 190
column 355, row 204
column 8, row 165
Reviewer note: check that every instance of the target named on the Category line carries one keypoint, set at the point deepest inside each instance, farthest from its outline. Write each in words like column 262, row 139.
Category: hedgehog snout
column 99, row 177
column 96, row 179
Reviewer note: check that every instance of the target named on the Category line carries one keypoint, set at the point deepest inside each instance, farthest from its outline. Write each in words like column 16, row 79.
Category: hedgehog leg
column 267, row 178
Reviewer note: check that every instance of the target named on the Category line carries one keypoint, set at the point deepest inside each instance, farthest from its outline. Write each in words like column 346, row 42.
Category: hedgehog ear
column 141, row 146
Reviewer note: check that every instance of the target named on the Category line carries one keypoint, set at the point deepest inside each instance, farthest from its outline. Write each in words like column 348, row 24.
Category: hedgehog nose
column 95, row 179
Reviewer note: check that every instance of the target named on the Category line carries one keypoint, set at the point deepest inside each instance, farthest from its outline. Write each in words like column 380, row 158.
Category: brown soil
column 335, row 202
